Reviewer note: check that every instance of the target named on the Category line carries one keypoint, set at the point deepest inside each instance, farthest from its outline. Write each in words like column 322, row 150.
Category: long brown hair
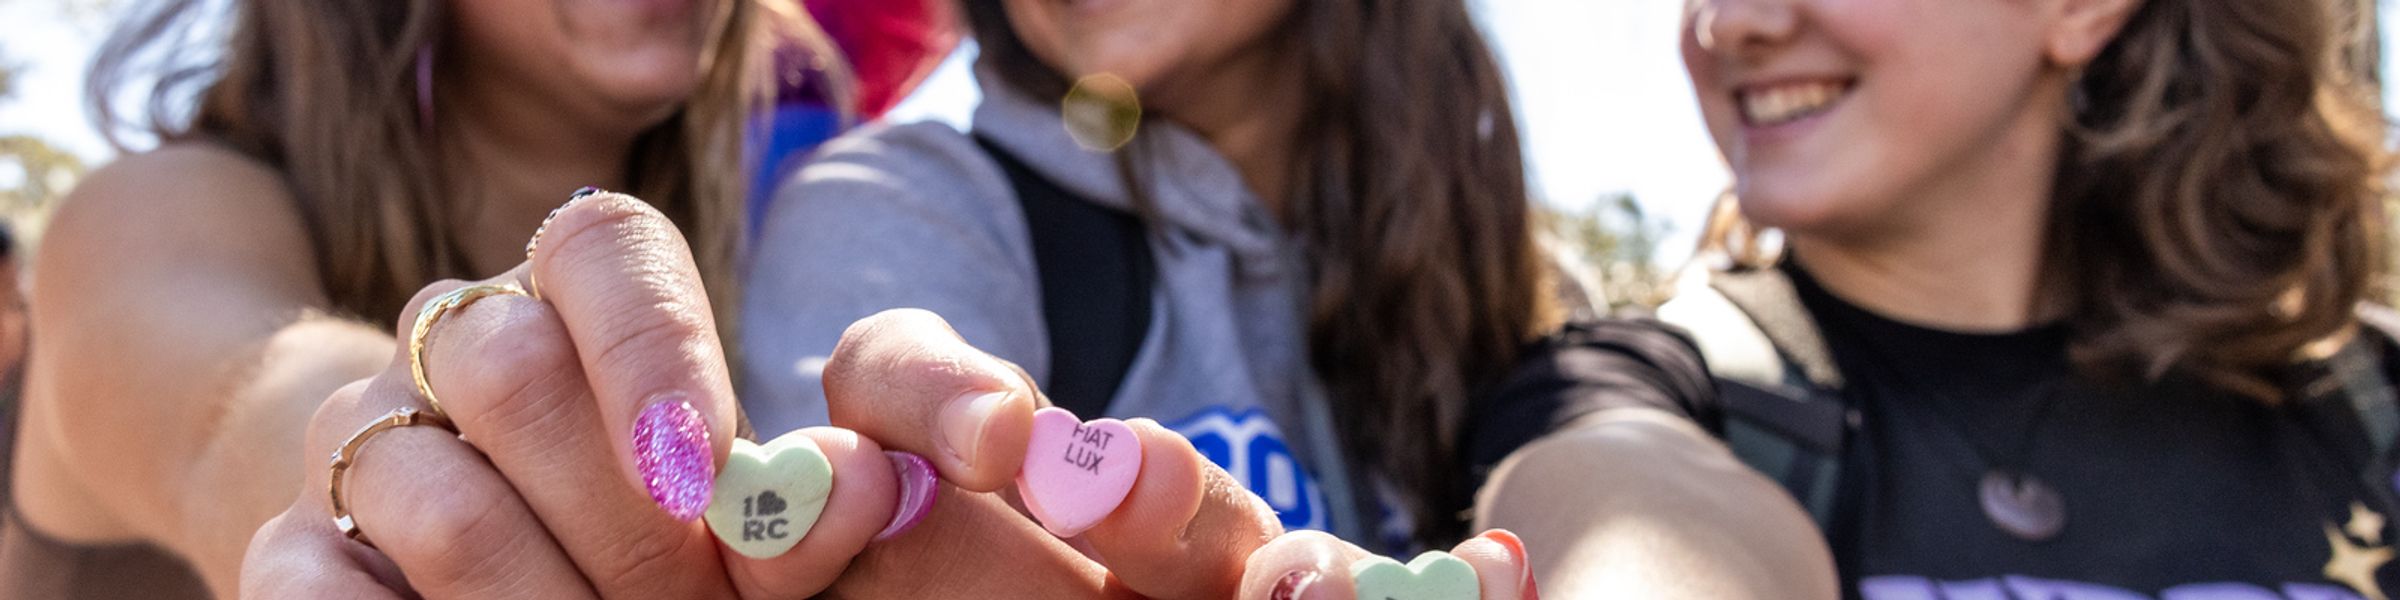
column 326, row 92
column 1411, row 196
column 2218, row 208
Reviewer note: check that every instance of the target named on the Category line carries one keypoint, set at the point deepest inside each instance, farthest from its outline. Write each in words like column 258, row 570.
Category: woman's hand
column 590, row 422
column 1185, row 530
column 904, row 378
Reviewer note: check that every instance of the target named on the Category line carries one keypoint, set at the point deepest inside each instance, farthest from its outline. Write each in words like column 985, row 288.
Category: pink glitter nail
column 670, row 449
column 918, row 488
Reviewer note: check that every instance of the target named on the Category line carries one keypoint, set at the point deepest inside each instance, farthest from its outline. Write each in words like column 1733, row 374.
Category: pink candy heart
column 1076, row 473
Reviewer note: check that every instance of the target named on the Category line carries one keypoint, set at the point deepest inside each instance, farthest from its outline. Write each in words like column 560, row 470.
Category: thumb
column 905, row 379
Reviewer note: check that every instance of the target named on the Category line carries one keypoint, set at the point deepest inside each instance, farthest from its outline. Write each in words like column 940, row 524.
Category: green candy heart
column 1434, row 575
column 767, row 497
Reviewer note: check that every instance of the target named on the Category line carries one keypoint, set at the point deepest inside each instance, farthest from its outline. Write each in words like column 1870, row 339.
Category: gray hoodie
column 918, row 215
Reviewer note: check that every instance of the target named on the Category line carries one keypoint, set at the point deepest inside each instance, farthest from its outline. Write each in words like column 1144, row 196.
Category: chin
column 1792, row 207
column 1141, row 61
column 645, row 91
column 1139, row 75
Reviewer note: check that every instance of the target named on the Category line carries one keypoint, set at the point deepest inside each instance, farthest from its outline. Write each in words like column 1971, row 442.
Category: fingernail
column 1292, row 585
column 917, row 487
column 1516, row 549
column 670, row 450
column 962, row 423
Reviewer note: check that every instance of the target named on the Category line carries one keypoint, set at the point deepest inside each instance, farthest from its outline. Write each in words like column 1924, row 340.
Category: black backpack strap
column 1097, row 273
column 2350, row 397
column 2362, row 367
column 1781, row 390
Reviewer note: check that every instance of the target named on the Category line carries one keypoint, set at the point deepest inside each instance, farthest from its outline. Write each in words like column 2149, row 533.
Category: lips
column 1782, row 103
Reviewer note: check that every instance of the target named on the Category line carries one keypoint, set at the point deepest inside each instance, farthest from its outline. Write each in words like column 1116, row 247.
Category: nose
column 1743, row 28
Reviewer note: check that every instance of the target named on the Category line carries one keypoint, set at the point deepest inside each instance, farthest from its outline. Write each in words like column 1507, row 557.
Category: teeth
column 1787, row 103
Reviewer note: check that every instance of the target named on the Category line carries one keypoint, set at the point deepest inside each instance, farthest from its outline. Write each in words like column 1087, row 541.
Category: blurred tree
column 79, row 11
column 33, row 173
column 1610, row 246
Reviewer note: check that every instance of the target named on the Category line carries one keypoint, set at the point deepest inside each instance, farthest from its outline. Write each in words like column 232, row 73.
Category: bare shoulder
column 175, row 216
column 177, row 259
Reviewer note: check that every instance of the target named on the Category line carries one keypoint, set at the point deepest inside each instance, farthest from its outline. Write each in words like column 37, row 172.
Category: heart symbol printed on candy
column 1076, row 473
column 1434, row 575
column 767, row 497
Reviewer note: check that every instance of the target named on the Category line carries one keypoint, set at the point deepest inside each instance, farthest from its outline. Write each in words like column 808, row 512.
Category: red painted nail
column 1516, row 549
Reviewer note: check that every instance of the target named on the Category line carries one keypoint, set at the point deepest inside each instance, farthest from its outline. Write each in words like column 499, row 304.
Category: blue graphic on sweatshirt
column 1249, row 446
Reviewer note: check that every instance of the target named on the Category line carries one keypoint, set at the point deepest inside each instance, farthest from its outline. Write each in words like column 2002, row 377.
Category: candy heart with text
column 1076, row 473
column 768, row 496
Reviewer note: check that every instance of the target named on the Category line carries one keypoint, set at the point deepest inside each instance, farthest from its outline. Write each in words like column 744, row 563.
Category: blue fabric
column 796, row 129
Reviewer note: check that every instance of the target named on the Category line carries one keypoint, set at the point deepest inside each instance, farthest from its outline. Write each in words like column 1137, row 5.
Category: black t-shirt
column 2172, row 490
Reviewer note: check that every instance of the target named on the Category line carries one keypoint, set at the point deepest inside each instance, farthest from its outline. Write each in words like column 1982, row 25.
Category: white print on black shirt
column 2352, row 564
column 2017, row 587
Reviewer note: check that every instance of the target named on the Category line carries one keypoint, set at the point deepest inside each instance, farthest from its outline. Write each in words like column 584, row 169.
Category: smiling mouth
column 1778, row 104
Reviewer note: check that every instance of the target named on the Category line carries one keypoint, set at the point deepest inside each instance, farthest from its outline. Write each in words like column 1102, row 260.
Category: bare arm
column 1637, row 503
column 180, row 346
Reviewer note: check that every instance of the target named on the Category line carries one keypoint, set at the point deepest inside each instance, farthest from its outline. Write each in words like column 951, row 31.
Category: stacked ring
column 423, row 329
column 536, row 241
column 347, row 456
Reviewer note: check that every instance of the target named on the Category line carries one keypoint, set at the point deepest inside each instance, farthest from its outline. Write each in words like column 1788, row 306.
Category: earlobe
column 2083, row 28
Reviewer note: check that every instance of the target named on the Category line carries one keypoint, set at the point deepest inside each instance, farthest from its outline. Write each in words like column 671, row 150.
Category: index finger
column 623, row 281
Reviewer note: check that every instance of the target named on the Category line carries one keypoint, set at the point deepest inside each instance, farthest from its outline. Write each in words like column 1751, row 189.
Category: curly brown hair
column 2218, row 208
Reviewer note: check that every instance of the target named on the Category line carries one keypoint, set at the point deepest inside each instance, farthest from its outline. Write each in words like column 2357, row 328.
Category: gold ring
column 423, row 329
column 347, row 456
column 531, row 288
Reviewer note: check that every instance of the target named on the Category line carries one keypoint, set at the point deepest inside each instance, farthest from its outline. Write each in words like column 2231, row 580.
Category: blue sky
column 1600, row 92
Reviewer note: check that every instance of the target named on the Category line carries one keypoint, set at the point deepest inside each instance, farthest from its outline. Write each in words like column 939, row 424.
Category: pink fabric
column 892, row 44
